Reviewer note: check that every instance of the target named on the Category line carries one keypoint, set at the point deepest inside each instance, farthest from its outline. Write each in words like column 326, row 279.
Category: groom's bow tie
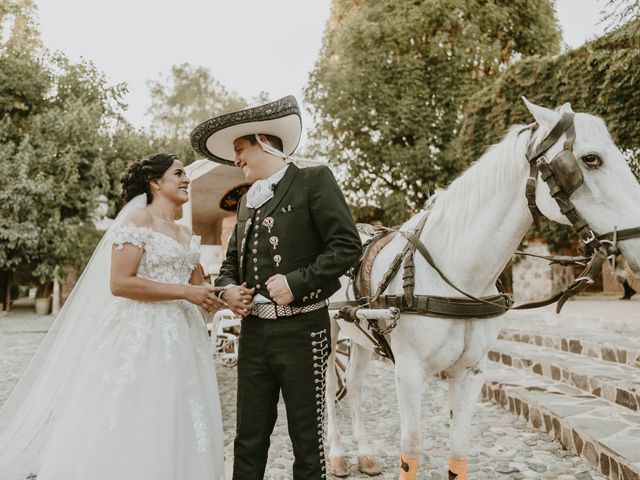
column 262, row 190
column 260, row 193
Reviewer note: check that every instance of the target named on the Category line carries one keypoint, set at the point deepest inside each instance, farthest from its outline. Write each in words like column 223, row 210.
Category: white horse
column 472, row 231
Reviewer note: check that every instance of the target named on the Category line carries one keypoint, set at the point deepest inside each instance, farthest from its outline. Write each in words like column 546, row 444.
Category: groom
column 294, row 238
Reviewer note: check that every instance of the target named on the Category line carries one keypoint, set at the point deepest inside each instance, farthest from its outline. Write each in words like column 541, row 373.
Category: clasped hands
column 206, row 297
column 239, row 298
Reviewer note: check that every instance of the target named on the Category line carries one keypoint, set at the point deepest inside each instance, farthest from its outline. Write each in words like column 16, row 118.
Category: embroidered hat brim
column 214, row 138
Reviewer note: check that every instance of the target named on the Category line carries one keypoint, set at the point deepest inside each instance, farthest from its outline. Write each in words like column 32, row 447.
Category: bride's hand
column 205, row 297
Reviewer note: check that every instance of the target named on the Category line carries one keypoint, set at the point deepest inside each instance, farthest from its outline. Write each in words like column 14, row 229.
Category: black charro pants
column 288, row 354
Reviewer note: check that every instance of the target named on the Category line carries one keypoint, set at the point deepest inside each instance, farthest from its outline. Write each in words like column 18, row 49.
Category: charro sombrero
column 214, row 138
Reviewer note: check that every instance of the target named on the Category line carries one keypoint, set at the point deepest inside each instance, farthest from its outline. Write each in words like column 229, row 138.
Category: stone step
column 605, row 435
column 611, row 381
column 602, row 345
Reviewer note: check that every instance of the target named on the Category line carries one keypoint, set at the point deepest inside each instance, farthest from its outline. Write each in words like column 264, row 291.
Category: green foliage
column 393, row 77
column 601, row 77
column 17, row 18
column 85, row 241
column 558, row 237
column 187, row 97
column 57, row 124
column 54, row 168
column 620, row 12
column 63, row 142
column 127, row 144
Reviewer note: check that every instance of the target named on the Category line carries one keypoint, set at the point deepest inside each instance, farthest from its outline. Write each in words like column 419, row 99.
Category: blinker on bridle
column 563, row 177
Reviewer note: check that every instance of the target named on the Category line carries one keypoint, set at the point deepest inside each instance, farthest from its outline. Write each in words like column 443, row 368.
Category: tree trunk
column 5, row 288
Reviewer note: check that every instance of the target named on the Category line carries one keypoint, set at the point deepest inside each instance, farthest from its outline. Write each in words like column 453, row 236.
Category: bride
column 123, row 386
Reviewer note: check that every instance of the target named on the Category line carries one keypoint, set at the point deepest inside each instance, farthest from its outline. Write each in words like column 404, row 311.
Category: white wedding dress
column 143, row 404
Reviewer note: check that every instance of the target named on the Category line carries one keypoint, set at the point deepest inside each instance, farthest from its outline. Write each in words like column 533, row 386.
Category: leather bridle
column 563, row 176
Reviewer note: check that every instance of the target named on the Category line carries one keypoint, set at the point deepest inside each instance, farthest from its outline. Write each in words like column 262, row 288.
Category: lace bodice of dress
column 164, row 259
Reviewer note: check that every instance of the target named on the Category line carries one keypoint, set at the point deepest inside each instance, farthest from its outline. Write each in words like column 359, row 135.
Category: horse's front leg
column 464, row 388
column 338, row 466
column 358, row 361
column 410, row 376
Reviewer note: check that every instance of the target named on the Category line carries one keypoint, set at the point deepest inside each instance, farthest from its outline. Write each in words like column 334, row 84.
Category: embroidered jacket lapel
column 246, row 213
column 283, row 186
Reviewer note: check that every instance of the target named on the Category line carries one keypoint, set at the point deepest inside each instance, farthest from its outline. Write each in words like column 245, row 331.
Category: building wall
column 612, row 285
column 534, row 278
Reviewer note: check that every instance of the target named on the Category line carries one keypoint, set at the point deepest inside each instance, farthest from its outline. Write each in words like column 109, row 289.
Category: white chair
column 226, row 343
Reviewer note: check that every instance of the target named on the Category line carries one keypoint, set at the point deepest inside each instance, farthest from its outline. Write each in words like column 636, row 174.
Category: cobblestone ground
column 503, row 446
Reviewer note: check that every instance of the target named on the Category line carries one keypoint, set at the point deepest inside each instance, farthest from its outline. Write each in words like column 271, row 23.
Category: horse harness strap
column 620, row 235
column 563, row 176
column 362, row 276
column 409, row 272
column 449, row 307
column 564, row 125
column 362, row 290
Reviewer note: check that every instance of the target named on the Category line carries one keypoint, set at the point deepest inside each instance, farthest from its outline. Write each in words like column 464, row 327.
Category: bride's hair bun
column 135, row 179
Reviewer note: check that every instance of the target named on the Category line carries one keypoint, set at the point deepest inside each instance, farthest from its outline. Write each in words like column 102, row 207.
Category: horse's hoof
column 338, row 467
column 369, row 465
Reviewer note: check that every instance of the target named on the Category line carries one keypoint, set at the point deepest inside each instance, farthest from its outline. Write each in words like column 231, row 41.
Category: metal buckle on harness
column 592, row 237
column 612, row 249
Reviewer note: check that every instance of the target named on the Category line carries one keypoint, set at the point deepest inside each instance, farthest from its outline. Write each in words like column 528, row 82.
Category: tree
column 620, row 12
column 24, row 80
column 601, row 77
column 17, row 18
column 393, row 77
column 127, row 144
column 56, row 123
column 63, row 141
column 187, row 97
column 55, row 168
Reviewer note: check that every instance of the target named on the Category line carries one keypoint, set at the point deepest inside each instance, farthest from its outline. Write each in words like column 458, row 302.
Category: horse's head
column 597, row 177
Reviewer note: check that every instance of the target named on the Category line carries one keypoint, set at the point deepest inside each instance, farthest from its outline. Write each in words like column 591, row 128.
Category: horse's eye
column 592, row 160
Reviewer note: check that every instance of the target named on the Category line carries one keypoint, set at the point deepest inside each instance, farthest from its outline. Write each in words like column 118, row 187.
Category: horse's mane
column 467, row 194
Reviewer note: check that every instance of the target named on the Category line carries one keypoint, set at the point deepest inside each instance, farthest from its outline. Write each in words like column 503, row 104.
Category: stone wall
column 534, row 278
column 611, row 284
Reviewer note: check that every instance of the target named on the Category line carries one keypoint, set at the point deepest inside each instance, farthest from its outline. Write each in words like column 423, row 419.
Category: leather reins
column 563, row 176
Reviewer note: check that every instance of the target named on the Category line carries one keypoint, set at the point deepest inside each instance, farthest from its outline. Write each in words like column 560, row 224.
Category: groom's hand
column 279, row 290
column 239, row 299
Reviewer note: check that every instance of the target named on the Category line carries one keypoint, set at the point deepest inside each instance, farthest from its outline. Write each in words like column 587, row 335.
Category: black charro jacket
column 304, row 232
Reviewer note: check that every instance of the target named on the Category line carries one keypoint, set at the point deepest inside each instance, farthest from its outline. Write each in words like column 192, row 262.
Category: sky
column 249, row 45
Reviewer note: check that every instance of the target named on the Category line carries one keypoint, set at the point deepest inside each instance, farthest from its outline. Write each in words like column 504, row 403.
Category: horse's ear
column 566, row 108
column 545, row 117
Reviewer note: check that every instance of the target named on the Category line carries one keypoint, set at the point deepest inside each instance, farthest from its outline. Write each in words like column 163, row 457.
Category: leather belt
column 271, row 311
